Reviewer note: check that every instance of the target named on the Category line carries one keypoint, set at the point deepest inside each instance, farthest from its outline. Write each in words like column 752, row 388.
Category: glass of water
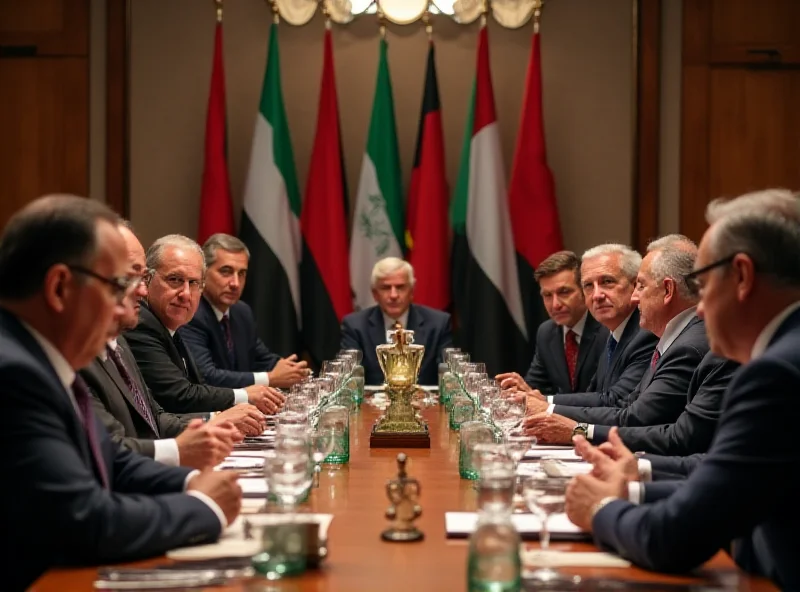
column 546, row 496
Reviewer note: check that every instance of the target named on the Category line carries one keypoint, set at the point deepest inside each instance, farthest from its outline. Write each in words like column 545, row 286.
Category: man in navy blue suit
column 71, row 496
column 393, row 290
column 222, row 334
column 742, row 495
column 570, row 344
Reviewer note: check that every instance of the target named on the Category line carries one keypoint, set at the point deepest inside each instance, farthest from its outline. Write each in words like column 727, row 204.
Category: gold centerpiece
column 400, row 361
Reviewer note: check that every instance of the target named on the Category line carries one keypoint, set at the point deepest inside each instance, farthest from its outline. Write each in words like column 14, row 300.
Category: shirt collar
column 112, row 343
column 389, row 321
column 768, row 332
column 675, row 327
column 217, row 312
column 65, row 372
column 617, row 333
column 577, row 328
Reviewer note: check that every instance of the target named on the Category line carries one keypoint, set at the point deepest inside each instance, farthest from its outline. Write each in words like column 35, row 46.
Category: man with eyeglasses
column 222, row 333
column 72, row 496
column 570, row 343
column 177, row 271
column 127, row 409
column 742, row 495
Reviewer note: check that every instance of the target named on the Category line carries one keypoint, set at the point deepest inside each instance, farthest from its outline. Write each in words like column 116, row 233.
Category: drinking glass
column 356, row 354
column 507, row 413
column 517, row 446
column 546, row 496
column 290, row 476
column 291, row 417
column 471, row 434
column 337, row 419
column 321, row 442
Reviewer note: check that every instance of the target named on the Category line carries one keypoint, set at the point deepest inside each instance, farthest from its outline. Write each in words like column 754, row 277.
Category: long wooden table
column 359, row 560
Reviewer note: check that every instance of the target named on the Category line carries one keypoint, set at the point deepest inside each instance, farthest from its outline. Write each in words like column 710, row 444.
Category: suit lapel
column 587, row 340
column 216, row 331
column 240, row 345
column 377, row 332
column 559, row 355
column 416, row 323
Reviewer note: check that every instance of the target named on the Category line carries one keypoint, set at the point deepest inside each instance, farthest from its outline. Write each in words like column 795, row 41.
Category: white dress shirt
column 577, row 328
column 258, row 377
column 166, row 449
column 66, row 374
column 388, row 322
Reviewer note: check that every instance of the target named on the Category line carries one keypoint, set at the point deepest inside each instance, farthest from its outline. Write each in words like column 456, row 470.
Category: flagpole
column 218, row 4
column 537, row 15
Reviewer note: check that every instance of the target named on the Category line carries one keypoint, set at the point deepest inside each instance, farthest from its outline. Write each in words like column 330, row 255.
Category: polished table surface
column 359, row 560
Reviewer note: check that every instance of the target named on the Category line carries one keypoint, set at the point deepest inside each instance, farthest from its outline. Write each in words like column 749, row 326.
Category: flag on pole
column 491, row 322
column 378, row 220
column 532, row 195
column 324, row 268
column 427, row 234
column 270, row 219
column 216, row 207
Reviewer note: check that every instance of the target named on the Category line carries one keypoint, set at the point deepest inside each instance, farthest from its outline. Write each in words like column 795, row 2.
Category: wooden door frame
column 646, row 94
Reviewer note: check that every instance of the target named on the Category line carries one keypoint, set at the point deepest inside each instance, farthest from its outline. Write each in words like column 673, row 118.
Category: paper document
column 462, row 524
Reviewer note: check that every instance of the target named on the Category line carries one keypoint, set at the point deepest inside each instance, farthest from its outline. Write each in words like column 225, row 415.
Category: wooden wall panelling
column 117, row 107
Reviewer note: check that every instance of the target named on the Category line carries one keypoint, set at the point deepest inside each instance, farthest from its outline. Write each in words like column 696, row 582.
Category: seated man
column 667, row 308
column 741, row 495
column 393, row 290
column 177, row 271
column 569, row 345
column 222, row 334
column 124, row 404
column 72, row 496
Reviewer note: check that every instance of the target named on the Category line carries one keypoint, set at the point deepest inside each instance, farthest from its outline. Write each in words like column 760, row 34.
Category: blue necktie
column 611, row 345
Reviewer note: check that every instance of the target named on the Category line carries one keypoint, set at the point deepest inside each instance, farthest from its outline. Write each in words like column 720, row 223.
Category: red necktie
column 656, row 357
column 142, row 406
column 571, row 353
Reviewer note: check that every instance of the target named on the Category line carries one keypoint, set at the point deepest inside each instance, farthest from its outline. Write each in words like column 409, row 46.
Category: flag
column 491, row 323
column 216, row 207
column 427, row 234
column 532, row 196
column 324, row 268
column 270, row 220
column 378, row 218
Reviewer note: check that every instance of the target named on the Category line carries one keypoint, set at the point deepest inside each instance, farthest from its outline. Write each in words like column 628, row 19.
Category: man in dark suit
column 177, row 270
column 222, row 334
column 393, row 290
column 667, row 308
column 63, row 276
column 127, row 409
column 570, row 343
column 741, row 495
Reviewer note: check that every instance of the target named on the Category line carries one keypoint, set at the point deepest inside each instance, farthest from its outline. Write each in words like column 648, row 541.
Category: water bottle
column 494, row 564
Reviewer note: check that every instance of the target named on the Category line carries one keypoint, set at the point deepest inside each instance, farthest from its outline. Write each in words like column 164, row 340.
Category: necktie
column 176, row 339
column 571, row 353
column 225, row 323
column 396, row 326
column 81, row 392
column 656, row 358
column 611, row 345
column 139, row 401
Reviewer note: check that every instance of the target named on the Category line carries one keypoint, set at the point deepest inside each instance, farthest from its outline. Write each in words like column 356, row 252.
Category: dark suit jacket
column 53, row 509
column 204, row 338
column 693, row 430
column 114, row 405
column 660, row 396
column 365, row 330
column 742, row 488
column 549, row 372
column 673, row 467
column 613, row 384
column 177, row 388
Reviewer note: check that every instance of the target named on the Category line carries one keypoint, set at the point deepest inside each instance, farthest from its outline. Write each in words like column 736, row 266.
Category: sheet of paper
column 247, row 454
column 557, row 468
column 239, row 462
column 252, row 487
column 560, row 453
column 461, row 524
column 533, row 558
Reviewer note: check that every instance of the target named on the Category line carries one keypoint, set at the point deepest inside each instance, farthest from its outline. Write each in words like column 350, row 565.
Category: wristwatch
column 582, row 429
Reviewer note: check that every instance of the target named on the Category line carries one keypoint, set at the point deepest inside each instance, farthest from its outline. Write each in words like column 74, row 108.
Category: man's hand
column 549, row 429
column 534, row 405
column 584, row 492
column 205, row 445
column 245, row 417
column 223, row 488
column 288, row 371
column 267, row 399
column 615, row 450
column 513, row 382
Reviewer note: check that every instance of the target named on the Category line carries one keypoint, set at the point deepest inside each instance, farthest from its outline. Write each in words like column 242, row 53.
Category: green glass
column 337, row 418
column 470, row 434
column 358, row 378
column 283, row 551
column 462, row 410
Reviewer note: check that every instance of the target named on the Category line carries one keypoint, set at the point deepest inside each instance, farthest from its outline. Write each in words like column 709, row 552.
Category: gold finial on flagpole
column 276, row 15
column 426, row 19
column 537, row 15
column 218, row 5
column 484, row 13
column 381, row 21
column 326, row 13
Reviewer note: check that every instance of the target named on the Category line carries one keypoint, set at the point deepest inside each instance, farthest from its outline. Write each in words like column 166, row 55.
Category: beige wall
column 587, row 66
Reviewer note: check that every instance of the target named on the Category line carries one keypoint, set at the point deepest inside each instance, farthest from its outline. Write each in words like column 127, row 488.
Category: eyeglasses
column 177, row 282
column 121, row 286
column 693, row 278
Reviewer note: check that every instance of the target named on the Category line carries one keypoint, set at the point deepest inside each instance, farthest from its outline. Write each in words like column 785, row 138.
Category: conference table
column 359, row 560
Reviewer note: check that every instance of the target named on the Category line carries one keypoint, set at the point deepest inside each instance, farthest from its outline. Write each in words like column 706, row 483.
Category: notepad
column 567, row 454
column 533, row 558
column 238, row 462
column 557, row 468
column 254, row 488
column 462, row 524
